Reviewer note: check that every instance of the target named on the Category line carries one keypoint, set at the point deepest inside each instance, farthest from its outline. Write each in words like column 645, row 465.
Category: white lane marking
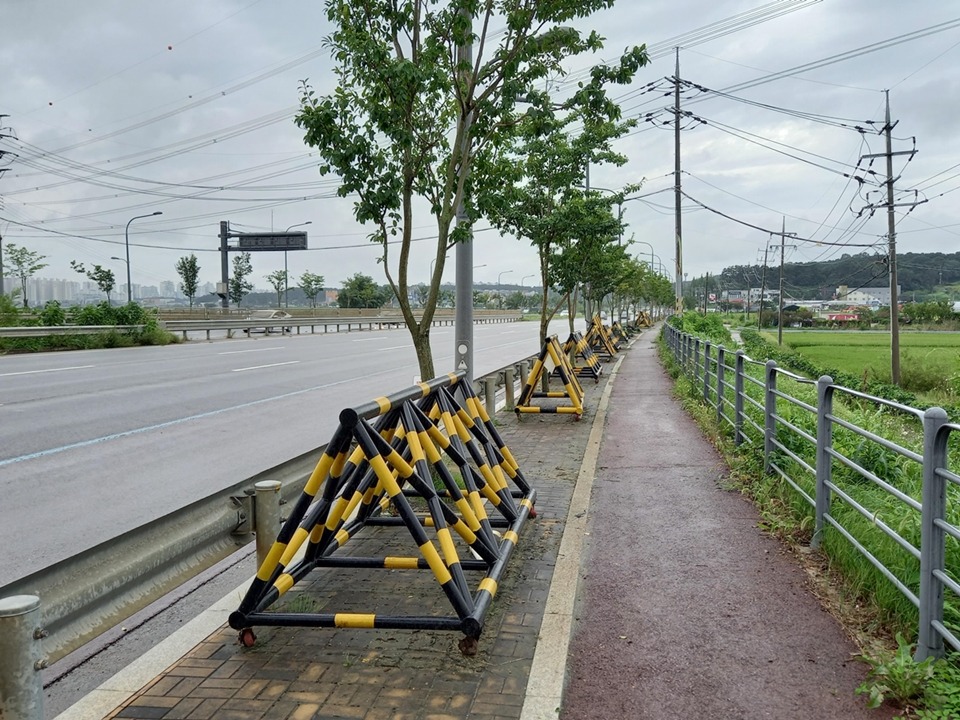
column 33, row 372
column 260, row 367
column 397, row 347
column 178, row 421
column 368, row 339
column 237, row 352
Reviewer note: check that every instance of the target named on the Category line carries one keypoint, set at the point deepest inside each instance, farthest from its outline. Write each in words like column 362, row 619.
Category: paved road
column 94, row 443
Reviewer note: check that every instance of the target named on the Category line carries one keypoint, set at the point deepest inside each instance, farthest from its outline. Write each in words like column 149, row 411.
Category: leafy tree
column 421, row 293
column 312, row 285
column 238, row 285
column 516, row 300
column 413, row 118
column 540, row 197
column 103, row 277
column 446, row 298
column 278, row 281
column 361, row 291
column 24, row 264
column 189, row 271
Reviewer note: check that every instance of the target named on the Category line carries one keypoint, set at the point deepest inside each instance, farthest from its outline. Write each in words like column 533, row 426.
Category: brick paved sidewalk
column 298, row 673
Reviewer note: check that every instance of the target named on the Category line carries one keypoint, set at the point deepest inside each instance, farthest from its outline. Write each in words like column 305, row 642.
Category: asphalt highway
column 95, row 443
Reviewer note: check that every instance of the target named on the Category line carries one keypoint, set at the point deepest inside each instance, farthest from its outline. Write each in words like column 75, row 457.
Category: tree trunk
column 421, row 343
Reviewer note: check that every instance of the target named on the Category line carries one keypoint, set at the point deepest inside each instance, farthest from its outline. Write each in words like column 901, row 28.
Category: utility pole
column 783, row 237
column 892, row 240
column 763, row 286
column 463, row 323
column 676, row 185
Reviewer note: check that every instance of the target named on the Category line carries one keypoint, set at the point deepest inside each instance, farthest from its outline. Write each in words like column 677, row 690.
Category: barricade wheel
column 247, row 637
column 533, row 512
column 577, row 418
column 468, row 646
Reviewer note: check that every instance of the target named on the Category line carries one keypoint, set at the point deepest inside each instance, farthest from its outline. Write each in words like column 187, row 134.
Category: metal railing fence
column 891, row 493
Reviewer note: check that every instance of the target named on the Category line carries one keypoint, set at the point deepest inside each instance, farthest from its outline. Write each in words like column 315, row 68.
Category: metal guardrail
column 249, row 325
column 84, row 595
column 797, row 430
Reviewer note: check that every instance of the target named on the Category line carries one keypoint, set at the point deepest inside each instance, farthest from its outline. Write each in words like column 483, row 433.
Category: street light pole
column 499, row 296
column 286, row 277
column 524, row 278
column 114, row 257
column 126, row 242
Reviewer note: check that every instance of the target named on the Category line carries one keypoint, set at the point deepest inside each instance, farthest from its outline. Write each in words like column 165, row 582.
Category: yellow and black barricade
column 618, row 334
column 552, row 360
column 577, row 346
column 382, row 456
column 598, row 337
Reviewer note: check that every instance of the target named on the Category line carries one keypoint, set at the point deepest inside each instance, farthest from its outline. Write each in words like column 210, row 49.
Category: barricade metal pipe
column 21, row 687
column 266, row 514
column 490, row 394
column 721, row 358
column 510, row 378
column 738, row 399
column 824, row 462
column 932, row 536
column 769, row 410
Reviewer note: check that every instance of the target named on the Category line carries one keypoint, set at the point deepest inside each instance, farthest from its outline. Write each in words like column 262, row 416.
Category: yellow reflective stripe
column 384, row 404
column 433, row 455
column 341, row 537
column 511, row 536
column 295, row 542
column 316, row 533
column 528, row 409
column 283, row 583
column 466, row 512
column 508, row 456
column 477, row 504
column 490, row 494
column 438, row 437
column 447, row 546
column 318, row 474
column 526, row 503
column 270, row 562
column 489, row 585
column 416, row 449
column 432, row 557
column 453, row 377
column 336, row 513
column 384, row 475
column 400, row 465
column 400, row 563
column 425, row 388
column 463, row 531
column 354, row 620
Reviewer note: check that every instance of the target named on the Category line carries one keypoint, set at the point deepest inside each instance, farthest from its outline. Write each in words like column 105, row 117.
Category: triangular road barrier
column 552, row 360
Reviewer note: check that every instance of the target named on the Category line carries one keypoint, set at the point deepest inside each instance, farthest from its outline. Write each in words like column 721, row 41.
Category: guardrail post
column 696, row 361
column 721, row 358
column 738, row 399
column 490, row 394
column 524, row 372
column 266, row 515
column 21, row 687
column 706, row 370
column 509, row 376
column 769, row 410
column 824, row 465
column 932, row 536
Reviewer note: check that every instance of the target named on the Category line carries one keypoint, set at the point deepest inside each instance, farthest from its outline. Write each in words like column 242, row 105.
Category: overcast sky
column 126, row 107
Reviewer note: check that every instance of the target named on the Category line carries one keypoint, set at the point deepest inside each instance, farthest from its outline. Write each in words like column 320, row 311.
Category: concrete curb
column 544, row 692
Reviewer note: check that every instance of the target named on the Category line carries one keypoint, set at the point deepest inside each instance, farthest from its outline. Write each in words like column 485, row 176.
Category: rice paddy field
column 929, row 361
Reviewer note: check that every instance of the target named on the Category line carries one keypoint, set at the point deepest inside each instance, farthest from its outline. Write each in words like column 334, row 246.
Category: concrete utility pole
column 676, row 183
column 224, row 264
column 783, row 238
column 763, row 287
column 892, row 253
column 463, row 324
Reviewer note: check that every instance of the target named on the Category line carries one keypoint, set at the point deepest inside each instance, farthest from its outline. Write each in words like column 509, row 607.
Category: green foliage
column 189, row 271
column 709, row 326
column 278, row 281
column 52, row 314
column 103, row 277
column 896, row 677
column 23, row 263
column 9, row 315
column 312, row 285
column 941, row 697
column 360, row 291
column 238, row 287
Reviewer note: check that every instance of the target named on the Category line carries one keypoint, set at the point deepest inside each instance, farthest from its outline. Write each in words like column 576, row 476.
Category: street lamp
column 126, row 242
column 286, row 277
column 524, row 279
column 499, row 296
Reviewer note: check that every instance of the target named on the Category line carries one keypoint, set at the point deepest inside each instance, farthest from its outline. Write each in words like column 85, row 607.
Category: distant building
column 875, row 296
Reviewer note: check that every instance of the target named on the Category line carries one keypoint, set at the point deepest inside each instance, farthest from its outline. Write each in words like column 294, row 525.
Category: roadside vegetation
column 146, row 330
column 879, row 616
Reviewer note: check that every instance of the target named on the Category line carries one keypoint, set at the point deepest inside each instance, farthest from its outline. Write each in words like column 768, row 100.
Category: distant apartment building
column 875, row 296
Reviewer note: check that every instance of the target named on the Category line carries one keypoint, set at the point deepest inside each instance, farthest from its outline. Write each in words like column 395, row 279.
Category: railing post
column 524, row 372
column 696, row 361
column 509, row 379
column 21, row 686
column 266, row 516
column 721, row 356
column 706, row 371
column 490, row 394
column 769, row 410
column 824, row 464
column 738, row 399
column 932, row 537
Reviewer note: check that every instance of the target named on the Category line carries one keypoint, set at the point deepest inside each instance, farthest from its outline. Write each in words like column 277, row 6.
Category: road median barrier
column 552, row 361
column 388, row 456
